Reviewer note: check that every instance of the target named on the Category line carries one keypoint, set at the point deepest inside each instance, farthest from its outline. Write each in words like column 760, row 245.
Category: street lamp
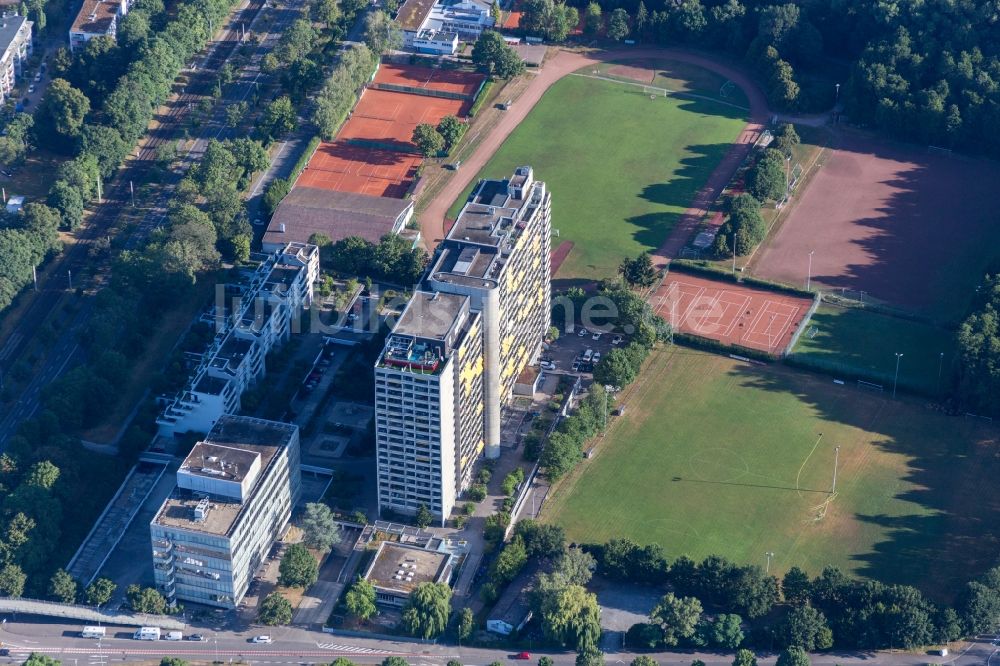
column 836, row 97
column 940, row 366
column 769, row 555
column 809, row 274
column 895, row 379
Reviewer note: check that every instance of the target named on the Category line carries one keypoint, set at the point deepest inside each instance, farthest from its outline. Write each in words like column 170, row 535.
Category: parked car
column 196, row 637
column 261, row 639
column 596, row 336
column 548, row 365
column 617, row 340
column 521, row 656
column 596, row 358
column 31, row 88
column 583, row 332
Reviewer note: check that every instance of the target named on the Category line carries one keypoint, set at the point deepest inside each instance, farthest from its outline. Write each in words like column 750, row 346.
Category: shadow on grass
column 948, row 468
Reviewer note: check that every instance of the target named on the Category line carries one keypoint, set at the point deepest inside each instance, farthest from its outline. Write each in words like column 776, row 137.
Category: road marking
column 350, row 648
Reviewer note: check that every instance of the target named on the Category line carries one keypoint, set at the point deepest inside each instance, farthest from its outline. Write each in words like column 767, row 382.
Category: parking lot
column 573, row 346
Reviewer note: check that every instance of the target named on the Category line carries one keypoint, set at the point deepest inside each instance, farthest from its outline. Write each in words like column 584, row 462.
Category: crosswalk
column 357, row 649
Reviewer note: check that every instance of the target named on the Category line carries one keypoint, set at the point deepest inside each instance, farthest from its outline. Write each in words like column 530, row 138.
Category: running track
column 566, row 62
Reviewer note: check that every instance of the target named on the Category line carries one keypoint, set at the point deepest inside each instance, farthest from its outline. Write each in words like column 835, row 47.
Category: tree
column 570, row 615
column 561, row 454
column 590, row 656
column 793, row 656
column 643, row 660
column 12, row 580
column 545, row 661
column 394, row 661
column 298, row 567
column 342, row 661
column 274, row 610
column 320, row 529
column 616, row 368
column 576, row 566
column 466, row 623
column 36, row 659
column 451, row 130
column 382, row 34
column 618, row 25
column 60, row 115
column 744, row 657
column 424, row 516
column 146, row 600
column 678, row 617
column 62, row 587
column 592, row 20
column 360, row 600
column 805, row 627
column 326, row 12
column 279, row 118
column 173, row 661
column 296, row 42
column 493, row 55
column 795, row 586
column 638, row 272
column 43, row 474
column 767, row 178
column 724, row 631
column 745, row 227
column 275, row 191
column 428, row 140
column 99, row 592
column 427, row 609
column 785, row 139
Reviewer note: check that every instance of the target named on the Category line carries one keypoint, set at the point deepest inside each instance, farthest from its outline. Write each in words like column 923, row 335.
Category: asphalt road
column 299, row 646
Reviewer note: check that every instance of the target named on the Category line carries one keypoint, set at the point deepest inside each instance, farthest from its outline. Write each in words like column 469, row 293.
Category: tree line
column 926, row 73
column 715, row 603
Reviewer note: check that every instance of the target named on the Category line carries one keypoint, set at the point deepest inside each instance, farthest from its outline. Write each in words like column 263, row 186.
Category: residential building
column 398, row 568
column 308, row 211
column 96, row 18
column 497, row 253
column 265, row 309
column 429, row 405
column 513, row 609
column 234, row 497
column 466, row 19
column 15, row 42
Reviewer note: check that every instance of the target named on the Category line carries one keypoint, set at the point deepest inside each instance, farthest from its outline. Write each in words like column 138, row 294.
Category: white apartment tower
column 429, row 405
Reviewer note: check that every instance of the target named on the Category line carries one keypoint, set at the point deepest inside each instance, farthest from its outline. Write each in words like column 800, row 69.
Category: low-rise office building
column 429, row 405
column 443, row 22
column 266, row 309
column 15, row 42
column 234, row 497
column 399, row 568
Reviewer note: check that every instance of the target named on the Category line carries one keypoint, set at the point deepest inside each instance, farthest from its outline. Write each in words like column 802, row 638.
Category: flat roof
column 219, row 462
column 337, row 215
column 244, row 433
column 9, row 27
column 95, row 17
column 430, row 315
column 413, row 13
column 402, row 568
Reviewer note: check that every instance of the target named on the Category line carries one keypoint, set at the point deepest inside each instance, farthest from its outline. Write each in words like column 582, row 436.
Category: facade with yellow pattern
column 497, row 253
column 429, row 425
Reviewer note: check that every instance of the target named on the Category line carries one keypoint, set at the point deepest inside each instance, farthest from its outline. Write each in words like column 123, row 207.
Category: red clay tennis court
column 446, row 80
column 342, row 167
column 391, row 117
column 730, row 313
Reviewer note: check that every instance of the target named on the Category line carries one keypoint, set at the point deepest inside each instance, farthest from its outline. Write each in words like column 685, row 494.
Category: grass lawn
column 863, row 343
column 622, row 168
column 715, row 456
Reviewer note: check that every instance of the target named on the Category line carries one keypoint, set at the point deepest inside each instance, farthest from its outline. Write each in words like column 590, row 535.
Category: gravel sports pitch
column 719, row 457
column 908, row 226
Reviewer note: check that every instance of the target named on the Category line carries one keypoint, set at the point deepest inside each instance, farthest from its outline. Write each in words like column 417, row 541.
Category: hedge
column 703, row 268
column 706, row 344
column 484, row 94
column 304, row 158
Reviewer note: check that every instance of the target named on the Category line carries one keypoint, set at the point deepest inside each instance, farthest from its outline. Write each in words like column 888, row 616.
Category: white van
column 147, row 634
column 173, row 636
column 93, row 632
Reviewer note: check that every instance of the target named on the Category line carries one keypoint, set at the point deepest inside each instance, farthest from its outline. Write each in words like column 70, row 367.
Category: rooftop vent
column 281, row 228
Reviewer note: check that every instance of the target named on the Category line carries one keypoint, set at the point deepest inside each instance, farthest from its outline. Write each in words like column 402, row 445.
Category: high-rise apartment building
column 429, row 404
column 234, row 496
column 497, row 253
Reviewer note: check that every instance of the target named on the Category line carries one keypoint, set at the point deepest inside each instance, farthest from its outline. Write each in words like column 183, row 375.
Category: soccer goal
column 870, row 386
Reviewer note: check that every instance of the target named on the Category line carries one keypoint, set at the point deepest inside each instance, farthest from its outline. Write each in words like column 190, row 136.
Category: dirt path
column 566, row 62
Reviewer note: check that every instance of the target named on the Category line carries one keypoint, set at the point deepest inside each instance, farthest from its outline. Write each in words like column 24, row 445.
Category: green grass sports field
column 864, row 344
column 715, row 456
column 622, row 168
